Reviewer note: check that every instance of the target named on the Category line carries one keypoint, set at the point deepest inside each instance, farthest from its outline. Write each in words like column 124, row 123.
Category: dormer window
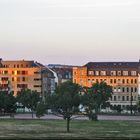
column 103, row 73
column 133, row 73
column 90, row 73
column 119, row 73
column 97, row 73
column 125, row 73
column 113, row 73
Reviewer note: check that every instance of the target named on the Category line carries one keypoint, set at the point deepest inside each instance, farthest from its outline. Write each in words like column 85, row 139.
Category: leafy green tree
column 7, row 102
column 41, row 109
column 118, row 108
column 29, row 99
column 65, row 102
column 138, row 103
column 95, row 97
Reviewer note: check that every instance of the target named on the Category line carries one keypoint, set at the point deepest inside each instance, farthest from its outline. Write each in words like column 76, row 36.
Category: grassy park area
column 39, row 129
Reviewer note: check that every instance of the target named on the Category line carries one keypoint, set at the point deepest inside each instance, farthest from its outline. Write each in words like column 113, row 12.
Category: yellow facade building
column 122, row 76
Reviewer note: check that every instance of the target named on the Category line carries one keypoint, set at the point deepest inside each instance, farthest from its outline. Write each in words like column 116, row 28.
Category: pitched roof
column 112, row 65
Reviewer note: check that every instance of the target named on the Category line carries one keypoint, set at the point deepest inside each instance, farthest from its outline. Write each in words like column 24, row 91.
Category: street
column 54, row 117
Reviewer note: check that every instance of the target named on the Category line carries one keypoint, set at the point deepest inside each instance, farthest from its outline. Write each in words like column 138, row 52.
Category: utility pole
column 131, row 103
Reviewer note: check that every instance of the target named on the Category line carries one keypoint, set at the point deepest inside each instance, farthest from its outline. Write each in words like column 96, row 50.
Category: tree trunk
column 32, row 114
column 68, row 124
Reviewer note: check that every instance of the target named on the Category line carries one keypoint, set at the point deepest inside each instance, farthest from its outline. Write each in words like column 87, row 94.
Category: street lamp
column 131, row 103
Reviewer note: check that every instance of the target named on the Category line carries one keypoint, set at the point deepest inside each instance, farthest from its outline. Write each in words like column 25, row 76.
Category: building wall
column 21, row 78
column 17, row 75
column 122, row 85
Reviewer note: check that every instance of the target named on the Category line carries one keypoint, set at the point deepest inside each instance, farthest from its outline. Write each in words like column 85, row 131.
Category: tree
column 41, row 109
column 118, row 108
column 29, row 99
column 138, row 103
column 65, row 101
column 7, row 102
column 95, row 97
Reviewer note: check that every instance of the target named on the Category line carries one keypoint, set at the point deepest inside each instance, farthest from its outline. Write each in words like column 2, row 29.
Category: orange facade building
column 21, row 74
column 122, row 76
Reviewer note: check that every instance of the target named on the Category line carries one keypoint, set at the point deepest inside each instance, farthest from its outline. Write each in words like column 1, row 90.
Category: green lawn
column 78, row 129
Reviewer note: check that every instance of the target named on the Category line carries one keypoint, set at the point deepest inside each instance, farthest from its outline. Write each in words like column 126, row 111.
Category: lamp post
column 131, row 103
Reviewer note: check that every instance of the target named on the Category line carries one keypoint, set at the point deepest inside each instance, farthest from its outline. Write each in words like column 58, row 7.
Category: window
column 119, row 73
column 119, row 89
column 111, row 81
column 18, row 72
column 18, row 79
column 12, row 78
column 23, row 79
column 127, row 98
column 127, row 89
column 133, row 73
column 97, row 81
column 97, row 73
column 75, row 73
column 131, row 98
column 36, row 86
column 123, row 98
column 113, row 73
column 36, row 72
column 103, row 73
column 115, row 89
column 114, row 98
column 91, row 72
column 123, row 81
column 24, row 72
column 131, row 89
column 127, row 81
column 135, row 89
column 17, row 66
column 38, row 79
column 135, row 81
column 5, row 72
column 119, row 98
column 114, row 81
column 4, row 78
column 123, row 89
column 125, row 73
column 119, row 81
column 131, row 81
column 22, row 85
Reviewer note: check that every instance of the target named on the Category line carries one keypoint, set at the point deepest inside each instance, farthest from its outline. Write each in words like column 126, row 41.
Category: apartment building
column 63, row 72
column 122, row 76
column 17, row 75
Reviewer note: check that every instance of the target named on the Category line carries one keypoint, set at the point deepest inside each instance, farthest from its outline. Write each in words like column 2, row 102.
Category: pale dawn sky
column 70, row 31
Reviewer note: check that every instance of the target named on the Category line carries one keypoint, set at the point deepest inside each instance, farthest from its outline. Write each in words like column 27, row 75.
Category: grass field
column 78, row 129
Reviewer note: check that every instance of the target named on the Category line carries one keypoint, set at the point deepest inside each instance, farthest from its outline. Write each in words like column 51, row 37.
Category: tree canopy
column 95, row 97
column 29, row 99
column 66, row 100
column 7, row 102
